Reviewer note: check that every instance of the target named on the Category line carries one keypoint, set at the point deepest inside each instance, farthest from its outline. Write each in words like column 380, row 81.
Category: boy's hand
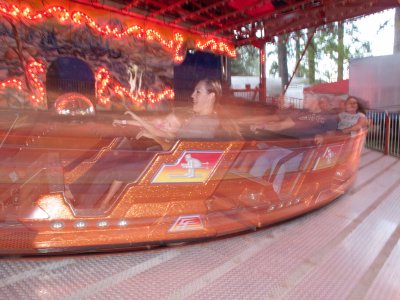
column 254, row 128
column 119, row 123
column 318, row 139
column 126, row 122
column 134, row 116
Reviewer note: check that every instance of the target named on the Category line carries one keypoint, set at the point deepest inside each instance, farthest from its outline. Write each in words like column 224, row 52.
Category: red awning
column 258, row 10
column 333, row 88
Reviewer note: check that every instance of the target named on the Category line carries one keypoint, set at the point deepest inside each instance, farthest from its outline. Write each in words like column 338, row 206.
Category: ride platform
column 348, row 249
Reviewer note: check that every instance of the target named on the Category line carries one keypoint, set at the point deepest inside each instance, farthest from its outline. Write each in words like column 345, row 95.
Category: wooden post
column 263, row 79
column 387, row 133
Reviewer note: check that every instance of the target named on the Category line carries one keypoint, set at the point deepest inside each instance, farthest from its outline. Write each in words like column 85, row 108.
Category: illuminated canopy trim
column 79, row 18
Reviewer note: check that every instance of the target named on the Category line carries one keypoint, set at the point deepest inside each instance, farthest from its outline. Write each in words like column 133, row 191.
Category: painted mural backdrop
column 42, row 61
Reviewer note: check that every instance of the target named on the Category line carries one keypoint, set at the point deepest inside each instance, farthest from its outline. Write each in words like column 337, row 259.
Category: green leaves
column 248, row 61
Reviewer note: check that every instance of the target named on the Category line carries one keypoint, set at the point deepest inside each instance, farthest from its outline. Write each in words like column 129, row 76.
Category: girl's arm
column 165, row 145
column 149, row 127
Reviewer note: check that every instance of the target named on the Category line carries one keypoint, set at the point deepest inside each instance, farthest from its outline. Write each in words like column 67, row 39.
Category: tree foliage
column 247, row 63
column 334, row 44
column 339, row 51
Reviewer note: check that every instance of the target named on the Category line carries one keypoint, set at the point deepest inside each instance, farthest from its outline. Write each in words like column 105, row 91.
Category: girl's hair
column 362, row 106
column 213, row 86
column 228, row 126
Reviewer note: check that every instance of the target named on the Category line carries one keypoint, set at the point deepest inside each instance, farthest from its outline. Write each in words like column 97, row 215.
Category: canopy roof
column 243, row 21
column 334, row 88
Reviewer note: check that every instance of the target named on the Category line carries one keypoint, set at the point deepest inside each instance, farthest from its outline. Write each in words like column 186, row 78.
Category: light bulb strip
column 219, row 47
column 34, row 70
column 11, row 83
column 62, row 14
column 105, row 83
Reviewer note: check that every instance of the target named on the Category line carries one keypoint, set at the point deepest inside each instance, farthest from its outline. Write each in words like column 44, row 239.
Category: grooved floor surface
column 349, row 249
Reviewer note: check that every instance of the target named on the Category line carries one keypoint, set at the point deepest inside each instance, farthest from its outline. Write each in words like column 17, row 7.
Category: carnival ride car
column 192, row 191
column 61, row 61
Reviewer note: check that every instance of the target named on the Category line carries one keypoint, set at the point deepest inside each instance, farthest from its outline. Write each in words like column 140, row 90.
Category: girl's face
column 351, row 106
column 203, row 101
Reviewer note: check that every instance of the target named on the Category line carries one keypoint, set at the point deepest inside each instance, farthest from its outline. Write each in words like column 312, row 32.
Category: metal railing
column 294, row 102
column 383, row 134
column 252, row 95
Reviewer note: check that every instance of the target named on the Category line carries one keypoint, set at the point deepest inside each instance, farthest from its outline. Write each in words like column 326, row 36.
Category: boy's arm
column 126, row 122
column 275, row 126
column 362, row 123
column 259, row 119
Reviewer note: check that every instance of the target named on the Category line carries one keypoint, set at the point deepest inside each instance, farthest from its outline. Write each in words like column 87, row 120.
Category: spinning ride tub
column 191, row 192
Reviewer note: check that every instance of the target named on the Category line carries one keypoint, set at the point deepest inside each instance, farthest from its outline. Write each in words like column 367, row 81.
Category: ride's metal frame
column 249, row 22
column 241, row 21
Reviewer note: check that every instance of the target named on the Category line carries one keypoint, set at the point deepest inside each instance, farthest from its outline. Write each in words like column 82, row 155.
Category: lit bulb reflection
column 122, row 223
column 102, row 224
column 80, row 224
column 57, row 225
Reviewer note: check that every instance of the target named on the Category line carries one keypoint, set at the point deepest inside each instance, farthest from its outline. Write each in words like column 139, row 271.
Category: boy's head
column 171, row 123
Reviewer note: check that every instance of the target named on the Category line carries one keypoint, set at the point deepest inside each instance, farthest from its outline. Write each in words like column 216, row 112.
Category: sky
column 381, row 40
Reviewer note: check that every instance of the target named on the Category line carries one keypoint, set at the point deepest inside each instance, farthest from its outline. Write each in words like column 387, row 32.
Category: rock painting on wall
column 41, row 61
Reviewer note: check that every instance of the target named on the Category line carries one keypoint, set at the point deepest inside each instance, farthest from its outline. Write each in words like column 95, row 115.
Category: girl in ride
column 353, row 118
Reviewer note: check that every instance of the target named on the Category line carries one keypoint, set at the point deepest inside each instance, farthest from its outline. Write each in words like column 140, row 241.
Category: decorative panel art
column 50, row 50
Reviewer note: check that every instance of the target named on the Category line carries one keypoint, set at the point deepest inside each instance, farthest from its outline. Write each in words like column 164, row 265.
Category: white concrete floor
column 349, row 249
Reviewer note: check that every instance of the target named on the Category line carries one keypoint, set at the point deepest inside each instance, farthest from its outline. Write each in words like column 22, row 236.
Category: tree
column 311, row 51
column 301, row 70
column 396, row 46
column 340, row 51
column 248, row 61
column 329, row 45
column 333, row 44
column 282, row 61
